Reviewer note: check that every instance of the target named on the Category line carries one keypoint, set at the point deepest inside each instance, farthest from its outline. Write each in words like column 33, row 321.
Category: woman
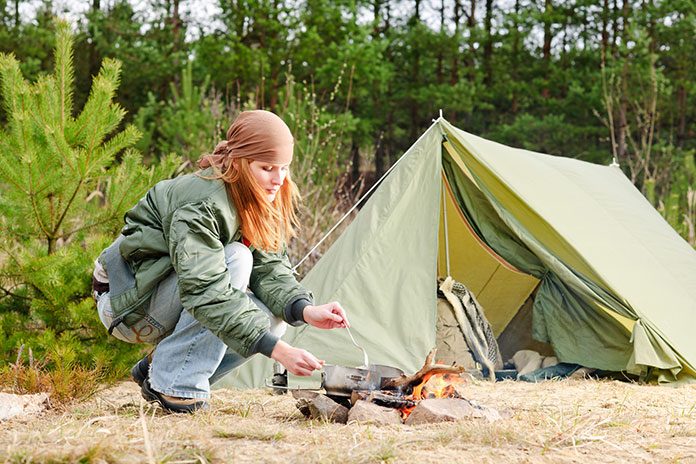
column 178, row 274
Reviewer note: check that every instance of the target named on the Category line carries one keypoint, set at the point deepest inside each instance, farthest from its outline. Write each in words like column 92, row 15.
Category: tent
column 572, row 248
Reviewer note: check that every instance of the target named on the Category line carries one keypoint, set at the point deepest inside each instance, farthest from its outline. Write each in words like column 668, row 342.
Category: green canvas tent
column 607, row 282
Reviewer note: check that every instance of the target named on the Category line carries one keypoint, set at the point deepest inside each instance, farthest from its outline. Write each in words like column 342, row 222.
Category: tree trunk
column 622, row 148
column 650, row 7
column 385, row 142
column 415, row 76
column 514, row 72
column 546, row 48
column 439, row 73
column 454, row 72
column 354, row 163
column 93, row 56
column 273, row 61
column 384, row 135
column 176, row 24
column 682, row 109
column 605, row 32
column 381, row 157
column 174, row 21
column 471, row 25
column 616, row 29
column 376, row 7
column 488, row 45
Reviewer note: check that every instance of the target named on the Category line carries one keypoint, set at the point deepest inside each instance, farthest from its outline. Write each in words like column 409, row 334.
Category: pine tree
column 57, row 171
column 66, row 179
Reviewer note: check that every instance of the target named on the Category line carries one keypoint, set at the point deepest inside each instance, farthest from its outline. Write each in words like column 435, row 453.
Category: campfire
column 435, row 393
column 434, row 386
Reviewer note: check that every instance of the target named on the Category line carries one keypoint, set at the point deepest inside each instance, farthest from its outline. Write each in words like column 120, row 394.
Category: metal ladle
column 365, row 360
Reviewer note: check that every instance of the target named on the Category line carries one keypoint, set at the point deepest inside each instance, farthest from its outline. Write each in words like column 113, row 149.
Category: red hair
column 268, row 225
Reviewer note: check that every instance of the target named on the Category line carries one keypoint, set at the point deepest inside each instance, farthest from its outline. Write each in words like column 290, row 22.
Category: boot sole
column 153, row 396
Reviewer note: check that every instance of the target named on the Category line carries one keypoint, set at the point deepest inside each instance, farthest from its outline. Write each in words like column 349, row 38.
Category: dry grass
column 63, row 383
column 559, row 421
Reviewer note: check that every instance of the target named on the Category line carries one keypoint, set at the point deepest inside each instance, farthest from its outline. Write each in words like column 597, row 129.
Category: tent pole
column 444, row 213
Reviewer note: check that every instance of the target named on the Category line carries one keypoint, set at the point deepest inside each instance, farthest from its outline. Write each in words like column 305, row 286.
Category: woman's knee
column 239, row 261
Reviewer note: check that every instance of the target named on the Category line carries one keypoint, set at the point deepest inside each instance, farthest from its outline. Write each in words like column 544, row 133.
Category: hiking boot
column 141, row 371
column 171, row 403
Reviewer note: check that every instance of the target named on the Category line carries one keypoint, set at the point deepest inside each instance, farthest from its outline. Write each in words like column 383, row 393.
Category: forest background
column 125, row 93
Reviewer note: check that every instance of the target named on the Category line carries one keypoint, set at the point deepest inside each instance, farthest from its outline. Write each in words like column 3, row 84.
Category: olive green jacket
column 182, row 225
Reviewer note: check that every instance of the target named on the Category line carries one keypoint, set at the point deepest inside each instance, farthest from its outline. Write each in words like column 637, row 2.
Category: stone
column 304, row 398
column 306, row 394
column 303, row 405
column 449, row 410
column 366, row 412
column 12, row 405
column 323, row 407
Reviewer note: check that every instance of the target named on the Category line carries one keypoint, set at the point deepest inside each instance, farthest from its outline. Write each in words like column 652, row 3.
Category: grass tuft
column 259, row 435
column 63, row 383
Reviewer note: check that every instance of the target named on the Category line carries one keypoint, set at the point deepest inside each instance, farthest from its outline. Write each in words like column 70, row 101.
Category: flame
column 434, row 386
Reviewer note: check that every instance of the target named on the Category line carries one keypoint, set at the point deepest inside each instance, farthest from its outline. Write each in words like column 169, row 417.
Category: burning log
column 382, row 398
column 429, row 369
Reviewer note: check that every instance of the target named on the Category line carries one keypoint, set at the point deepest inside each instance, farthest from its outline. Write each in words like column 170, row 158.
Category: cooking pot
column 341, row 380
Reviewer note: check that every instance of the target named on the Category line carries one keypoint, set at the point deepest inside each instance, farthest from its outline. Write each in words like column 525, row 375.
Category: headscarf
column 257, row 135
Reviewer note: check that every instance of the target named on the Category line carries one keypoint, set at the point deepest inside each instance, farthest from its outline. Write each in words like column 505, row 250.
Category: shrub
column 65, row 182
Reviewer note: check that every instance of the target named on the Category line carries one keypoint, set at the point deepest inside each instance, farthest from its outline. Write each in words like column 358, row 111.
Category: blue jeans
column 188, row 357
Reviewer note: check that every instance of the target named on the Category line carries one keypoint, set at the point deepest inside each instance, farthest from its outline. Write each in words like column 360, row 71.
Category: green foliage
column 147, row 46
column 526, row 73
column 65, row 182
column 57, row 171
column 30, row 42
column 544, row 134
column 678, row 203
column 189, row 123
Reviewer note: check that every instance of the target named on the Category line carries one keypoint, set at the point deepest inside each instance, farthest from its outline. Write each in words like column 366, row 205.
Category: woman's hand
column 326, row 316
column 296, row 360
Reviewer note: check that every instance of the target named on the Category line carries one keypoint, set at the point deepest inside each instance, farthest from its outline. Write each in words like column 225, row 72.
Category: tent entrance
column 505, row 292
column 498, row 285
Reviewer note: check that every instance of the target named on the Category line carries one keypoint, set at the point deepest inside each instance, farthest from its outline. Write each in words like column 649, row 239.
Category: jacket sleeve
column 273, row 282
column 198, row 257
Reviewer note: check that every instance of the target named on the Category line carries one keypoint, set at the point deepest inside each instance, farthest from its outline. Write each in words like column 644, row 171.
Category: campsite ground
column 556, row 421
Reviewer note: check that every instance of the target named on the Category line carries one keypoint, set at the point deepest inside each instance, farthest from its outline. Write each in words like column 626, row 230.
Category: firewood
column 429, row 368
column 390, row 400
column 357, row 395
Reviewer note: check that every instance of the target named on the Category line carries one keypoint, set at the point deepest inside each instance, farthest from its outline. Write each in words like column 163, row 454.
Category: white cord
column 294, row 269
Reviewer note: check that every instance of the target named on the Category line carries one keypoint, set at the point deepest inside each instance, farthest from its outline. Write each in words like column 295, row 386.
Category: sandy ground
column 574, row 421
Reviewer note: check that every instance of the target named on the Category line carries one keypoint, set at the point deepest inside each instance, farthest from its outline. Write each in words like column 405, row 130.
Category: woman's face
column 269, row 176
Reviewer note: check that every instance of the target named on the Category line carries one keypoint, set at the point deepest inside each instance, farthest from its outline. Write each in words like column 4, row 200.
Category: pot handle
column 285, row 387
